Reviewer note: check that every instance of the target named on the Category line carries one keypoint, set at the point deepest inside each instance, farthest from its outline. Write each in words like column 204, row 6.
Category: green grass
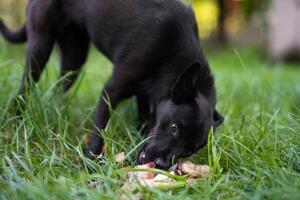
column 254, row 155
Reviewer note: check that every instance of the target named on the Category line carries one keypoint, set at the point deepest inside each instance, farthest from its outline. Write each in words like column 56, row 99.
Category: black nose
column 162, row 164
column 144, row 158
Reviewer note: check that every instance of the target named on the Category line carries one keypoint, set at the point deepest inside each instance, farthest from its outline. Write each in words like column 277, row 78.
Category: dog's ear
column 185, row 86
column 218, row 119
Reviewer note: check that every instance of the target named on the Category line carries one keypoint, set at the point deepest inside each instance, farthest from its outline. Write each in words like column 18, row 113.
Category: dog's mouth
column 145, row 157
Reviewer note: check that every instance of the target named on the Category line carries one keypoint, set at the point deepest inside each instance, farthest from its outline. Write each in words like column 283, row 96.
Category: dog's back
column 114, row 24
column 118, row 26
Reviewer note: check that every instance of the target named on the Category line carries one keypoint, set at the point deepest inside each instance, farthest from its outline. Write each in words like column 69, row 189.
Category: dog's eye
column 174, row 128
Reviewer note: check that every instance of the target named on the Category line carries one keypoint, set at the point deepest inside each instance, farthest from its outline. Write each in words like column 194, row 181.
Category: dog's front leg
column 114, row 92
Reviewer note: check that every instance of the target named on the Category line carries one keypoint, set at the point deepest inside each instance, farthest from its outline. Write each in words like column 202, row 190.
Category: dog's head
column 181, row 123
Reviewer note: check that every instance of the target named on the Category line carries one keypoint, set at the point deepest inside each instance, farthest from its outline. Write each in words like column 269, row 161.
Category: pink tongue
column 150, row 165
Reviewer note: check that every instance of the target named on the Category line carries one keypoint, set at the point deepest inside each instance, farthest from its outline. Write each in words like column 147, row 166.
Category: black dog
column 155, row 48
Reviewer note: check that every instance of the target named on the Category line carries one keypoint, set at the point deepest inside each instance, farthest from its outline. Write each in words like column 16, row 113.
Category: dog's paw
column 94, row 146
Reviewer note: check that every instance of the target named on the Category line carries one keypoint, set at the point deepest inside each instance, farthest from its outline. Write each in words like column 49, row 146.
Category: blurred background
column 260, row 23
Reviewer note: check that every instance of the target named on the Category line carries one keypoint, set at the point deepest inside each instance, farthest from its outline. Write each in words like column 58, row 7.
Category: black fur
column 157, row 56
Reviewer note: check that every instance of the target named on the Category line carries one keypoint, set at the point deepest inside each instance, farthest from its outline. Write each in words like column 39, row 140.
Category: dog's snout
column 162, row 163
column 144, row 157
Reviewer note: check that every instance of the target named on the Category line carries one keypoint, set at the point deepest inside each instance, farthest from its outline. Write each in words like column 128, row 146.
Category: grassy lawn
column 254, row 155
